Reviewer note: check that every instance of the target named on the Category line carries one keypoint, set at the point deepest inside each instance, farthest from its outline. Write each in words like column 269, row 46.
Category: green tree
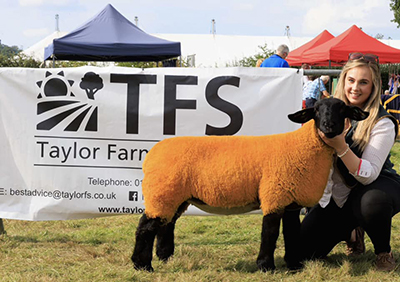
column 18, row 60
column 252, row 60
column 12, row 57
column 144, row 65
column 141, row 65
column 67, row 64
column 9, row 51
column 395, row 7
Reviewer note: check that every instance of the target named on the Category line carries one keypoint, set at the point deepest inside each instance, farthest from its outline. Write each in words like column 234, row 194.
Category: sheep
column 237, row 174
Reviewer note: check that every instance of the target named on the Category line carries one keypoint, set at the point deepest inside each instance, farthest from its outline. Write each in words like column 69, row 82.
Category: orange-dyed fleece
column 233, row 171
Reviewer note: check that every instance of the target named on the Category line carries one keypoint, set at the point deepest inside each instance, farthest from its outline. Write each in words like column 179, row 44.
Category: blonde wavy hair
column 363, row 131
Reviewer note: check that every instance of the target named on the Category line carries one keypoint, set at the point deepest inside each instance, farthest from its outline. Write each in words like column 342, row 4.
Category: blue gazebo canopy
column 109, row 36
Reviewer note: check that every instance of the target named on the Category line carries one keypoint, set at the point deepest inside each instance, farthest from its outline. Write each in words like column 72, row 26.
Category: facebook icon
column 133, row 196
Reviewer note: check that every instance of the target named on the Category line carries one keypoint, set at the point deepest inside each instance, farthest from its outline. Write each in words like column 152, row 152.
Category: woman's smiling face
column 358, row 85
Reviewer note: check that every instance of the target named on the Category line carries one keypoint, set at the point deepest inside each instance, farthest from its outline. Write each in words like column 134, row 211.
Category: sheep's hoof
column 138, row 266
column 265, row 266
column 293, row 262
column 164, row 254
column 164, row 259
column 294, row 266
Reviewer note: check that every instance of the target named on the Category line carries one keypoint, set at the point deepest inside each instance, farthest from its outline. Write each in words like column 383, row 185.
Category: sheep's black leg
column 145, row 235
column 291, row 235
column 269, row 236
column 165, row 237
column 2, row 231
column 165, row 241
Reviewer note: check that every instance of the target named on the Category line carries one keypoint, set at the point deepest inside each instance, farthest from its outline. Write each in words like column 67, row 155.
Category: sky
column 25, row 22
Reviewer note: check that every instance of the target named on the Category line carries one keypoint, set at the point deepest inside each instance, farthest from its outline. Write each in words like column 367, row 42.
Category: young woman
column 363, row 189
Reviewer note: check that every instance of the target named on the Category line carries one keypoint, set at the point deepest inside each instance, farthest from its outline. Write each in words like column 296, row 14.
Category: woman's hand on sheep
column 338, row 142
column 350, row 160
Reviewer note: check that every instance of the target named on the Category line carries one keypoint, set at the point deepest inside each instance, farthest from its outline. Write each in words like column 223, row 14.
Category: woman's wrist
column 343, row 151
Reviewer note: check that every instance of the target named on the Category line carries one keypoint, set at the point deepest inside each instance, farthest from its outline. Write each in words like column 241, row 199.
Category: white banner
column 73, row 140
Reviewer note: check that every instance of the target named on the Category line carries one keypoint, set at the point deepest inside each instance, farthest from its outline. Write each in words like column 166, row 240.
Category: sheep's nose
column 328, row 124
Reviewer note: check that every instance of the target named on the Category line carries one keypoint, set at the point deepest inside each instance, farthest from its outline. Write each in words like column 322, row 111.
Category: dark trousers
column 371, row 207
column 310, row 102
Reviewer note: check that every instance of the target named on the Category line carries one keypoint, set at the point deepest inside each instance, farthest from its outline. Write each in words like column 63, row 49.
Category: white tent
column 209, row 50
column 224, row 50
column 37, row 50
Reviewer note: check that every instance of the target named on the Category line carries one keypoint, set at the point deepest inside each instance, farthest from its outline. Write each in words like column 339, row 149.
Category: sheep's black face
column 330, row 115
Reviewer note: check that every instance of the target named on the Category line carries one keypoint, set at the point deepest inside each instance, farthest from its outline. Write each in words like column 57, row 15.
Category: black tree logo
column 91, row 83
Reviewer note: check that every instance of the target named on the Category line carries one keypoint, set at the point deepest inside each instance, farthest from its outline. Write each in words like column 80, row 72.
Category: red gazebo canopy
column 295, row 57
column 336, row 50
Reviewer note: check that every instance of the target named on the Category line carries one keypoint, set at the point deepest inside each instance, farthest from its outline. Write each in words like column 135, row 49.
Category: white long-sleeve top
column 372, row 160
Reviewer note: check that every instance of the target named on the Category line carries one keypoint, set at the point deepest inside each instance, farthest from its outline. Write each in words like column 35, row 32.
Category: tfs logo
column 58, row 105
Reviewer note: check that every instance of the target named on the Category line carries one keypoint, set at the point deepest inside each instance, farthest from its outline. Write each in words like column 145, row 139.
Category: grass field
column 211, row 248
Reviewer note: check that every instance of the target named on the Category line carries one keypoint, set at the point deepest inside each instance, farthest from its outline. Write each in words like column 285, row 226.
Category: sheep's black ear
column 302, row 116
column 355, row 113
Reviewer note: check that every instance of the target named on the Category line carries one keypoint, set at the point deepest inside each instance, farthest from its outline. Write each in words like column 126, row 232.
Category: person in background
column 395, row 85
column 313, row 91
column 306, row 78
column 363, row 189
column 277, row 60
column 391, row 82
column 259, row 62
